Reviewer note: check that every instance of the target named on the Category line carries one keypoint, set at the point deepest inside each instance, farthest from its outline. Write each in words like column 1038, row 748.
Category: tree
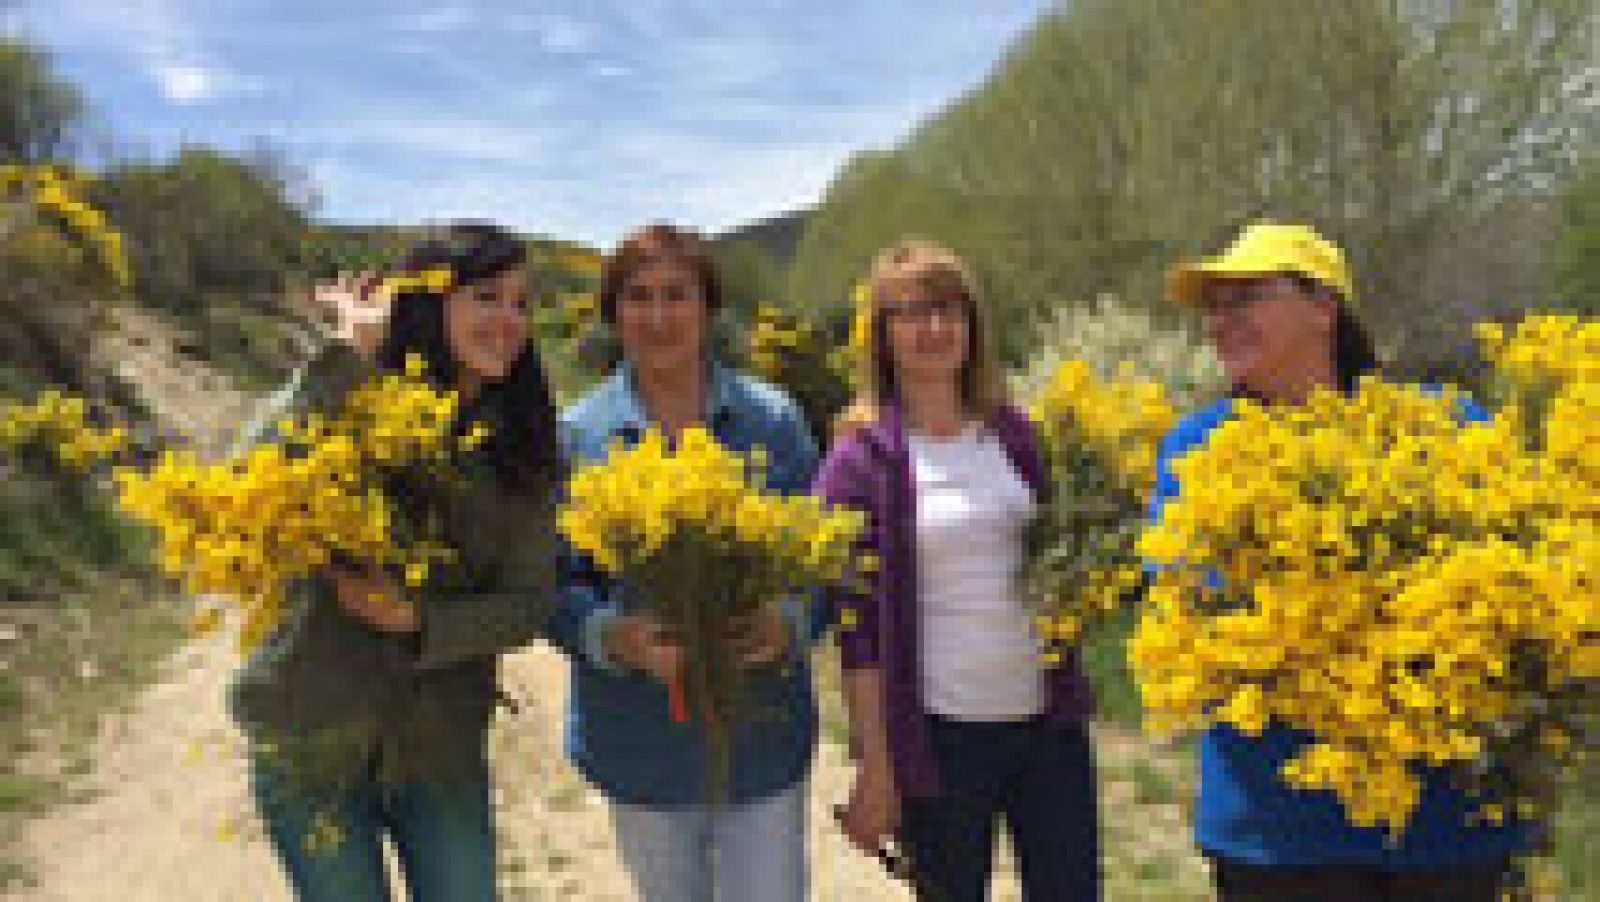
column 206, row 224
column 1120, row 134
column 213, row 240
column 40, row 114
column 748, row 275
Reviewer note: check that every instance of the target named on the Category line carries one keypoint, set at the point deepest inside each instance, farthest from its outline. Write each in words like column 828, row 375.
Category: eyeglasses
column 925, row 310
column 1230, row 297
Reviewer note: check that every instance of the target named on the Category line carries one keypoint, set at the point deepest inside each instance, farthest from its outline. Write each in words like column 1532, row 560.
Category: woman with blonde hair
column 957, row 720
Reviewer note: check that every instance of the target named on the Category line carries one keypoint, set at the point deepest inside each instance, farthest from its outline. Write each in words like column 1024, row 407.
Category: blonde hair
column 934, row 269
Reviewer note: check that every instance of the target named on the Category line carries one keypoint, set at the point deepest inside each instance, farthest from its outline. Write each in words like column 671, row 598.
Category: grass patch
column 58, row 534
column 1576, row 825
column 80, row 628
column 827, row 676
column 13, row 875
column 12, row 697
column 1151, row 786
column 74, row 657
column 1106, row 665
column 25, row 795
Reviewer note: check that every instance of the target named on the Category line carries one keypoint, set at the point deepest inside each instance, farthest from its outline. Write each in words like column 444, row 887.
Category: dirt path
column 169, row 816
column 185, row 395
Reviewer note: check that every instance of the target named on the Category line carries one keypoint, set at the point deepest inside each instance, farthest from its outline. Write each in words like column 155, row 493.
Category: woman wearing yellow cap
column 1279, row 307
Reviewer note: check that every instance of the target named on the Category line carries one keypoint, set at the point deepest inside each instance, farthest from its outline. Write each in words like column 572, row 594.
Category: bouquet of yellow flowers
column 791, row 353
column 692, row 521
column 1410, row 590
column 247, row 528
column 1099, row 439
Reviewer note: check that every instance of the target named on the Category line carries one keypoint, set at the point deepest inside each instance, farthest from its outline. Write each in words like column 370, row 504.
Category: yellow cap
column 1266, row 249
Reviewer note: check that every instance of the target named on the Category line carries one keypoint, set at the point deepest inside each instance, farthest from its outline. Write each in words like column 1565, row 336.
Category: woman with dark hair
column 1279, row 306
column 368, row 718
column 678, row 842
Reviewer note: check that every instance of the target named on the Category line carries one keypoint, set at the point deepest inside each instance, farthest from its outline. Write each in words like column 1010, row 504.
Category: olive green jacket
column 326, row 698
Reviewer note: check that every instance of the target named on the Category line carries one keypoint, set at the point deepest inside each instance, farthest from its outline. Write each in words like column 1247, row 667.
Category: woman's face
column 927, row 334
column 661, row 317
column 486, row 324
column 1265, row 327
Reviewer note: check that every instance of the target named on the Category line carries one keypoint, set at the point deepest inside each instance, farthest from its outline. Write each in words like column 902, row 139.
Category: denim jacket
column 620, row 734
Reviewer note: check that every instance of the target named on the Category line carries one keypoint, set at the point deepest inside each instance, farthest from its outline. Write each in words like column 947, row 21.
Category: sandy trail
column 169, row 815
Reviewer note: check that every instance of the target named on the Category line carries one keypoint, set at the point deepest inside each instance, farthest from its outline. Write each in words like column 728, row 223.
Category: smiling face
column 486, row 324
column 661, row 316
column 1265, row 328
column 928, row 333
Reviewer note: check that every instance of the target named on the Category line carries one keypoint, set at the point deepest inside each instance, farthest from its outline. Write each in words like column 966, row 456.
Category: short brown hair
column 645, row 246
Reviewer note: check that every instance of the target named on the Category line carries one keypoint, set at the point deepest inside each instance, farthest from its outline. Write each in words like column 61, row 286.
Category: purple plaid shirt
column 869, row 469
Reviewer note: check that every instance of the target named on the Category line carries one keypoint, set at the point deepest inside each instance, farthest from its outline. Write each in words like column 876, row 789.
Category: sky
column 568, row 118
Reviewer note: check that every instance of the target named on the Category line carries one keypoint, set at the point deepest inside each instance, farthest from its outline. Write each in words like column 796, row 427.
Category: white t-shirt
column 980, row 656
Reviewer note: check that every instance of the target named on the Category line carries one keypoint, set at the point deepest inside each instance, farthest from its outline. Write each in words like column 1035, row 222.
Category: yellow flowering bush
column 1410, row 590
column 578, row 348
column 1544, row 352
column 58, row 191
column 58, row 425
column 692, row 521
column 792, row 354
column 247, row 529
column 1099, row 439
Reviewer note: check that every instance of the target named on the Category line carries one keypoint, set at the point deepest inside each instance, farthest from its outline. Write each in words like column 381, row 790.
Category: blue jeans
column 331, row 846
column 1039, row 778
column 754, row 852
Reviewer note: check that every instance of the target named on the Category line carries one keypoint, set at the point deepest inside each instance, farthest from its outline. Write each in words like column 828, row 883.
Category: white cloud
column 161, row 39
column 184, row 83
column 569, row 118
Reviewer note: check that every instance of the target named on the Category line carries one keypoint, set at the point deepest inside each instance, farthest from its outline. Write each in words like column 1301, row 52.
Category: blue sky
column 571, row 118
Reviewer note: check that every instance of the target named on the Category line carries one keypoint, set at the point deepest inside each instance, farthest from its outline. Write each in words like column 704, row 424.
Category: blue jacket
column 620, row 734
column 1247, row 812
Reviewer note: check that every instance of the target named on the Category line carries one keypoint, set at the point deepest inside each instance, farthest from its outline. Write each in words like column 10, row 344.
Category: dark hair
column 644, row 247
column 1354, row 354
column 523, row 446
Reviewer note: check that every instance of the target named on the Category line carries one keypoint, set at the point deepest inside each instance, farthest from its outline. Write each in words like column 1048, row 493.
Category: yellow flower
column 245, row 530
column 56, row 190
column 1402, row 587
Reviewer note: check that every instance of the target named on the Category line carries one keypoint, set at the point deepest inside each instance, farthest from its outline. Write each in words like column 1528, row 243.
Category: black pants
column 1037, row 777
column 1239, row 882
